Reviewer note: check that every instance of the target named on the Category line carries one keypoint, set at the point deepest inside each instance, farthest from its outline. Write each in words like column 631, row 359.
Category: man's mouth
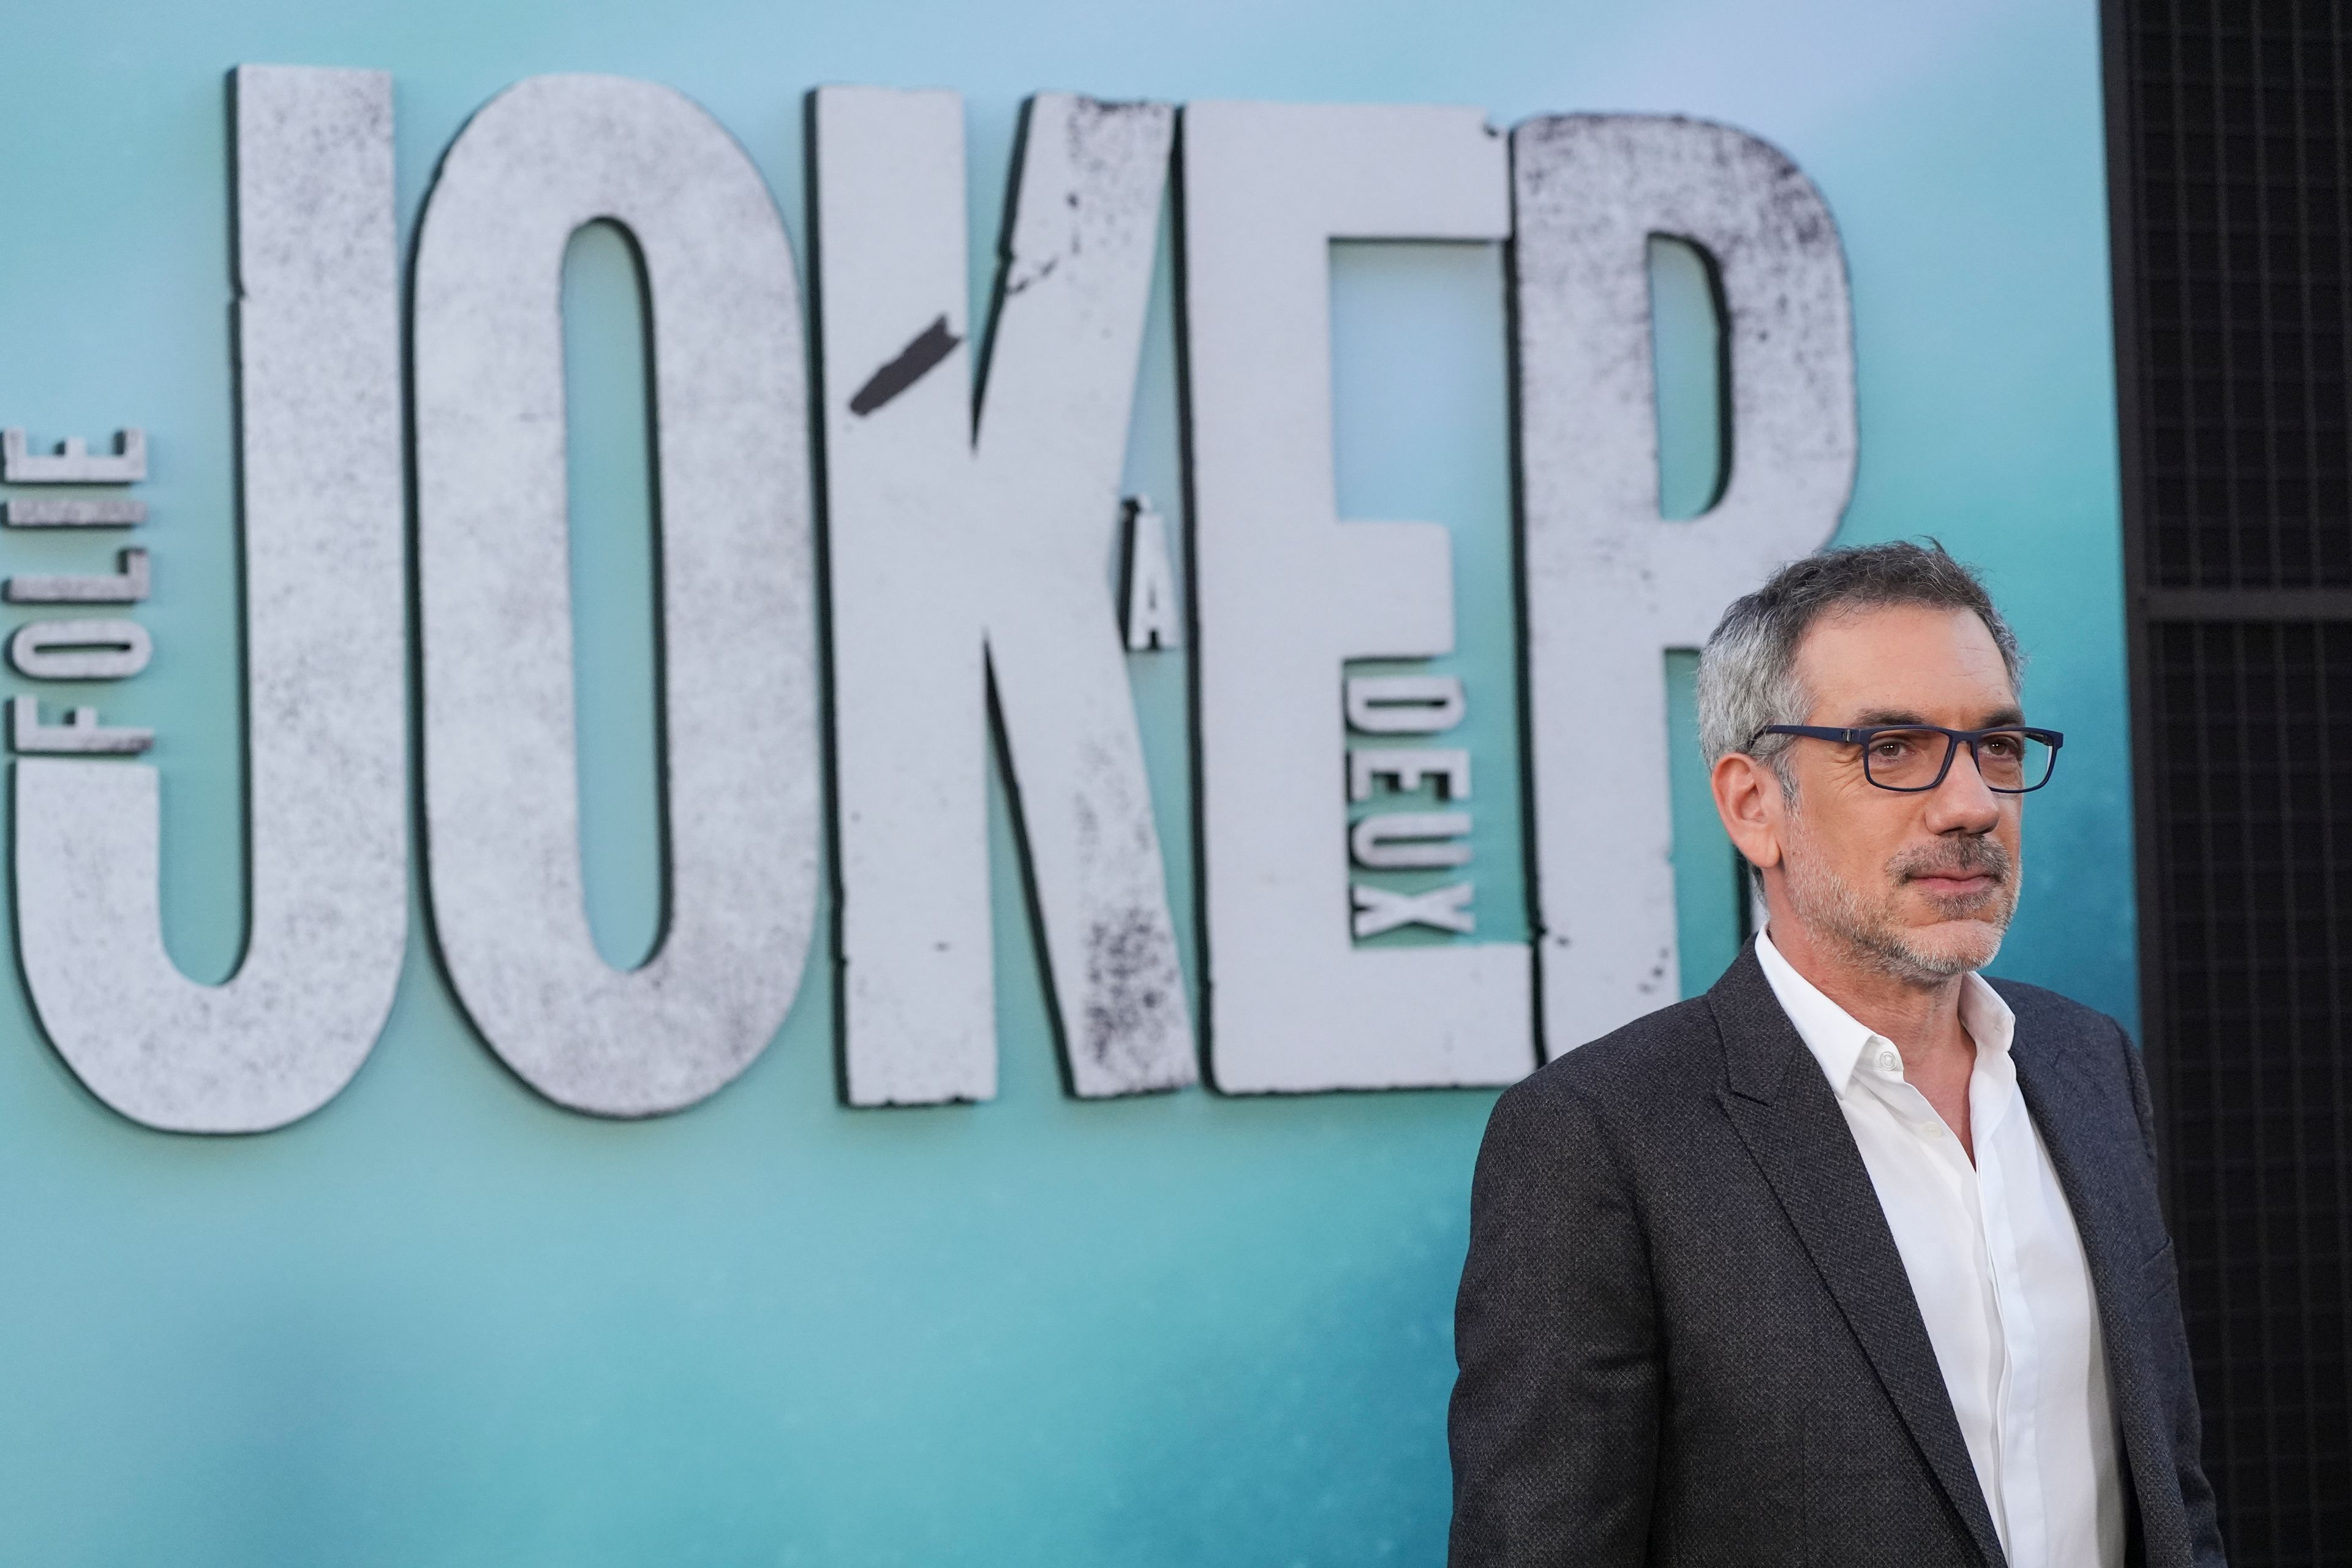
column 1961, row 873
column 1959, row 878
column 1955, row 884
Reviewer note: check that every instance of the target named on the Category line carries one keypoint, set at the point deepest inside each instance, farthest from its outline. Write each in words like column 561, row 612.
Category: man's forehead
column 1905, row 657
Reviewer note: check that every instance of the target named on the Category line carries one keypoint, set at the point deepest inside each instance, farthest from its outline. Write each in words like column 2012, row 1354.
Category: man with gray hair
column 1856, row 1259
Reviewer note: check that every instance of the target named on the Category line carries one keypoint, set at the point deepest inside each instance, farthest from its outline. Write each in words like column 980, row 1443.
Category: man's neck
column 1922, row 1020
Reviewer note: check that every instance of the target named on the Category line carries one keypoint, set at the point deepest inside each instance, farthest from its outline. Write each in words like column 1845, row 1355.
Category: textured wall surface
column 444, row 1321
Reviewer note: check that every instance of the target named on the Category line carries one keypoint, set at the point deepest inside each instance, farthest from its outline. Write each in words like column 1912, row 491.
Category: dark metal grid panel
column 2229, row 145
column 2253, row 792
column 2237, row 151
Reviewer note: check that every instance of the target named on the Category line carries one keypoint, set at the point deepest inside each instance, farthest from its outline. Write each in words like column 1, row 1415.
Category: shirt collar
column 1837, row 1039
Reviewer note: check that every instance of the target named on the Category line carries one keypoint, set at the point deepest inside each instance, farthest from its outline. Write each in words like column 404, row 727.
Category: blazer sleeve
column 1554, row 1427
column 2171, row 1342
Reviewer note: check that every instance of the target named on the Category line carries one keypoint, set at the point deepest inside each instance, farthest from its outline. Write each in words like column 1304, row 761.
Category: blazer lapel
column 2084, row 1131
column 1785, row 1113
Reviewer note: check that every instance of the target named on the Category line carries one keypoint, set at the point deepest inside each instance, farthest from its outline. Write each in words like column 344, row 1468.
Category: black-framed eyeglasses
column 1911, row 758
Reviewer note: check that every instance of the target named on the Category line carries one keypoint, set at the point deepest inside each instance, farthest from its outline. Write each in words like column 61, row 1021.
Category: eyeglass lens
column 1910, row 759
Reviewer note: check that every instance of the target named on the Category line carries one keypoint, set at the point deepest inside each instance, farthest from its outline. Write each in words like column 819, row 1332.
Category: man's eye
column 2008, row 748
column 1893, row 747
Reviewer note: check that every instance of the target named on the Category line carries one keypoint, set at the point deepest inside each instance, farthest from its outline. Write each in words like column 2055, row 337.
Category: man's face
column 1920, row 885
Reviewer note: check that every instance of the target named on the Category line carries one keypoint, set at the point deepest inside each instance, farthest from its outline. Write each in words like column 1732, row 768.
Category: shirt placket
column 2022, row 1360
column 1963, row 1184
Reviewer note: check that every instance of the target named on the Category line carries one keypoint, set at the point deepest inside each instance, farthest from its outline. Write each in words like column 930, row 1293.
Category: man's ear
column 1748, row 797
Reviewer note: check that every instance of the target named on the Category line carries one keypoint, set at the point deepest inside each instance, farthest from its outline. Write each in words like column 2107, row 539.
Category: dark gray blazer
column 1686, row 1335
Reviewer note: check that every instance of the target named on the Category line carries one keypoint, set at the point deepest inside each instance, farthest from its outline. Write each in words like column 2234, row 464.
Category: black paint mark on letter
column 934, row 344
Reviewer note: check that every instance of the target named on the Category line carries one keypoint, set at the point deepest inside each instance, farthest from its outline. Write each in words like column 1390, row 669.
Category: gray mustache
column 1958, row 858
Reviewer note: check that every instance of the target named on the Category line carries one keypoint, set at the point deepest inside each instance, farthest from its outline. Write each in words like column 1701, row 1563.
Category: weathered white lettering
column 1379, row 911
column 319, row 350
column 1408, row 769
column 74, row 463
column 1610, row 585
column 81, row 735
column 80, row 650
column 1411, row 840
column 1403, row 704
column 1151, row 621
column 740, row 764
column 23, row 512
column 127, row 584
column 946, row 535
column 1286, row 593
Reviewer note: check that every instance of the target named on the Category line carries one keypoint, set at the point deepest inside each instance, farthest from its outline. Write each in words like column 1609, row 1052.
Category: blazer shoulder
column 2046, row 1011
column 1668, row 1054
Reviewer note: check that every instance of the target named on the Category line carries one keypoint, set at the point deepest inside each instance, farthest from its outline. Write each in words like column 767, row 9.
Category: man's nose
column 1963, row 803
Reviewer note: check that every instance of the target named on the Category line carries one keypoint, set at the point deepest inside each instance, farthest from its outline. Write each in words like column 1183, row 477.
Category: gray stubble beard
column 1836, row 908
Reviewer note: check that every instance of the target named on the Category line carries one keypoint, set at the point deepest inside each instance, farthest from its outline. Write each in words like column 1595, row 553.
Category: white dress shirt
column 1998, row 1269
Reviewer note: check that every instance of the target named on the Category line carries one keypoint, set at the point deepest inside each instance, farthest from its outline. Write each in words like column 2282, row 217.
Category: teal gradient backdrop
column 443, row 1323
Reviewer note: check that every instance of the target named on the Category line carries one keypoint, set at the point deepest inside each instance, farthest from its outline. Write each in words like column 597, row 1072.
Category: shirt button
column 1889, row 1062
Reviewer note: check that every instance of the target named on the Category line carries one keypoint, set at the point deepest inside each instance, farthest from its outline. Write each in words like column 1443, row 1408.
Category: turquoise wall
column 443, row 1323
